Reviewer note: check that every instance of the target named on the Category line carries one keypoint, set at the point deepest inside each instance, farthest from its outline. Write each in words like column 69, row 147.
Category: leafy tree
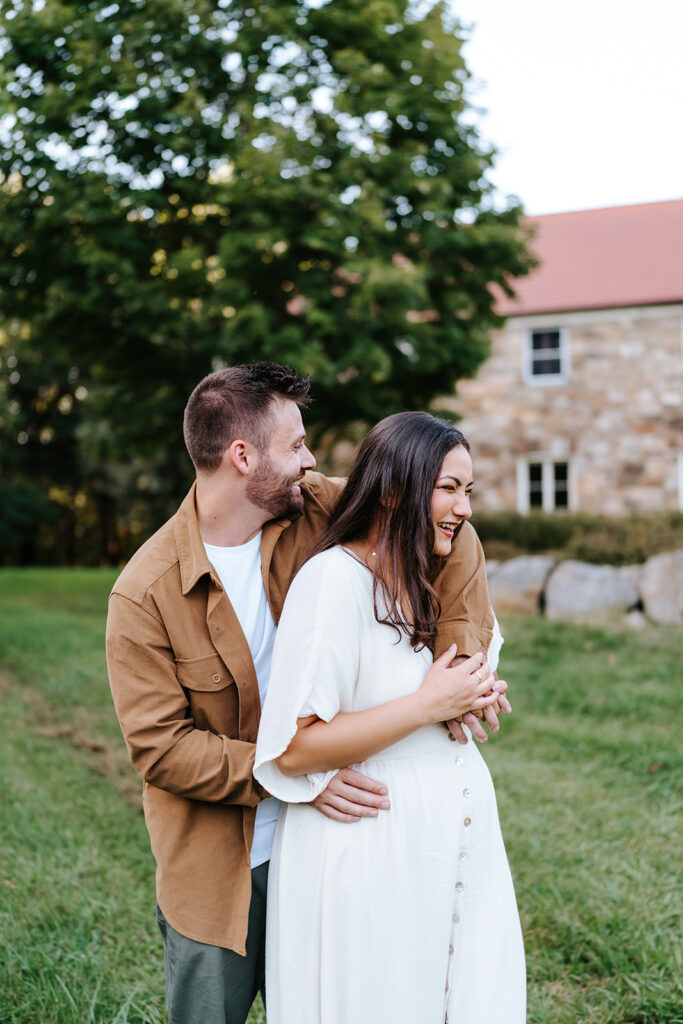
column 188, row 182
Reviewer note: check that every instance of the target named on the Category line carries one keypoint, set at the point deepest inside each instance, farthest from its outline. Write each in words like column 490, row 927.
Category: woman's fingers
column 485, row 680
column 475, row 663
column 447, row 657
column 483, row 702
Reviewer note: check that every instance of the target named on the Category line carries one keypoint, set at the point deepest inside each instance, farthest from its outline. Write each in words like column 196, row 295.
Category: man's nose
column 308, row 460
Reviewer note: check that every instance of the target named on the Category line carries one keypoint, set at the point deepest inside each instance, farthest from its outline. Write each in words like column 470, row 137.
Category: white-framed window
column 546, row 355
column 543, row 484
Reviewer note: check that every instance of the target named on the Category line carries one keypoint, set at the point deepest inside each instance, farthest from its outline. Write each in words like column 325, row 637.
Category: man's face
column 274, row 484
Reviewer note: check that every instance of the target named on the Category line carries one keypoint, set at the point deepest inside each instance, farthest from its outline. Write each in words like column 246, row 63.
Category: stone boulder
column 634, row 573
column 517, row 585
column 661, row 587
column 492, row 567
column 577, row 590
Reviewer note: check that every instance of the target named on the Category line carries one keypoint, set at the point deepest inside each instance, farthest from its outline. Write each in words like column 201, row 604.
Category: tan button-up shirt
column 186, row 694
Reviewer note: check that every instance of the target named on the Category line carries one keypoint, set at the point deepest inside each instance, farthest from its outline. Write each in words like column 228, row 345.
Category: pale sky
column 584, row 98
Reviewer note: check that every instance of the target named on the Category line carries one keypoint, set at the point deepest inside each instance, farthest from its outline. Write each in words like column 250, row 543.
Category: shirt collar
column 192, row 557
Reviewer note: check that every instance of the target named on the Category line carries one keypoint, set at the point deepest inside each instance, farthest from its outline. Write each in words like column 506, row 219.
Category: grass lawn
column 586, row 770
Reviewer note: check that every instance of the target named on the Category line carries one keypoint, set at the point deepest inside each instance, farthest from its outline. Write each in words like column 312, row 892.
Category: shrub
column 612, row 540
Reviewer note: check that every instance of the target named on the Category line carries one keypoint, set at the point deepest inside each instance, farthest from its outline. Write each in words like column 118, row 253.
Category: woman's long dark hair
column 391, row 485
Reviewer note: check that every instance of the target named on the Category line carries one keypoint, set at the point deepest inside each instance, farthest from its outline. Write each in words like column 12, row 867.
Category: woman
column 408, row 918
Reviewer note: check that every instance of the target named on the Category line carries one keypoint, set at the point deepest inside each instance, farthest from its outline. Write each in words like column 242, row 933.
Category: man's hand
column 489, row 715
column 351, row 796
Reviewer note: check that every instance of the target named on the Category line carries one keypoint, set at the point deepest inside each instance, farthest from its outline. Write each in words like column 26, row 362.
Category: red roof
column 601, row 259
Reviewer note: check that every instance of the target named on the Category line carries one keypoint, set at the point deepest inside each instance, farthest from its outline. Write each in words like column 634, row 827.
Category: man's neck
column 226, row 518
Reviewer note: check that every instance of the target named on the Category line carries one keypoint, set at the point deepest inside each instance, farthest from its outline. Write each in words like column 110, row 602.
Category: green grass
column 587, row 775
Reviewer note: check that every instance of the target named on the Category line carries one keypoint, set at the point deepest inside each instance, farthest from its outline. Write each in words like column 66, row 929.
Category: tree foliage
column 191, row 183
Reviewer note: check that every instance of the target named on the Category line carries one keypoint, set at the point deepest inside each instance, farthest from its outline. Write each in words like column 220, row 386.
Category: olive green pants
column 210, row 985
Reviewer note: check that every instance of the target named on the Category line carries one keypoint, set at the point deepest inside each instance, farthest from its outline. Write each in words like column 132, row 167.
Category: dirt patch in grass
column 85, row 733
column 104, row 756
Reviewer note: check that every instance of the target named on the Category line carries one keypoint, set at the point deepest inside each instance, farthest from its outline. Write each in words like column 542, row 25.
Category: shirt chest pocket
column 211, row 693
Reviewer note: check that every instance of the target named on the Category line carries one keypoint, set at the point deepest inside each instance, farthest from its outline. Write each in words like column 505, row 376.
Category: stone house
column 580, row 404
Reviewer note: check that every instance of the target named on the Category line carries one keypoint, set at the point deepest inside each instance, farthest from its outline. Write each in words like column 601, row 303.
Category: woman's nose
column 462, row 507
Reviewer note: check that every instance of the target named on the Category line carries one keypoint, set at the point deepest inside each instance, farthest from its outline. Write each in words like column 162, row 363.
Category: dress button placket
column 462, row 861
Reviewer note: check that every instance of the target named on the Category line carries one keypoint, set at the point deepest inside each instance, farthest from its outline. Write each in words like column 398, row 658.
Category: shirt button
column 451, row 949
column 466, row 793
column 215, row 678
column 459, row 761
column 463, row 855
column 456, row 918
column 468, row 821
column 459, row 887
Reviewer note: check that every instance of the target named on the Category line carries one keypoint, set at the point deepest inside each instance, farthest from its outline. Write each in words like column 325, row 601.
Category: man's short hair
column 236, row 403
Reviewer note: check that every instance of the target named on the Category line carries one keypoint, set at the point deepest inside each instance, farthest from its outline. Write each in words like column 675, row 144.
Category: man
column 191, row 625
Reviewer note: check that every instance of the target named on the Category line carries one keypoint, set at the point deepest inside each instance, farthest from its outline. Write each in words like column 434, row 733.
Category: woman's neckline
column 355, row 557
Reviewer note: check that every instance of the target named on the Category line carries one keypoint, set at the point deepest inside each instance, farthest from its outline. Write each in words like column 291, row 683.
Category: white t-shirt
column 239, row 570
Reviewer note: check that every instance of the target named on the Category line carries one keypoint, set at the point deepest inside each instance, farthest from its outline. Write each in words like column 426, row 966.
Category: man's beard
column 273, row 492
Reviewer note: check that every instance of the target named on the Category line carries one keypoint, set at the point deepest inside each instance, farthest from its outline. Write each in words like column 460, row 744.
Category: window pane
column 546, row 354
column 561, row 475
column 545, row 366
column 545, row 339
column 535, row 485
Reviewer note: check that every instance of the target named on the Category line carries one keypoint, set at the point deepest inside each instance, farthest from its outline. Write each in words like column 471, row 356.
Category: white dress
column 407, row 918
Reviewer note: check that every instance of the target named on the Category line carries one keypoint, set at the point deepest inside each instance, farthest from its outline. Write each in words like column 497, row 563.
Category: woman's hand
column 350, row 737
column 475, row 719
column 448, row 691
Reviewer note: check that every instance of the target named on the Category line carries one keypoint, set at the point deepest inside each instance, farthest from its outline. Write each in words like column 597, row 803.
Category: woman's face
column 451, row 497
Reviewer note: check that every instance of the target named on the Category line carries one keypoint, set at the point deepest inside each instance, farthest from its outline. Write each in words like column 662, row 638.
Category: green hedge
column 612, row 540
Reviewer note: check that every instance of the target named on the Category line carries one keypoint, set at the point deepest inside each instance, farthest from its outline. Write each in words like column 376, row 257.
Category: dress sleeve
column 497, row 642
column 314, row 668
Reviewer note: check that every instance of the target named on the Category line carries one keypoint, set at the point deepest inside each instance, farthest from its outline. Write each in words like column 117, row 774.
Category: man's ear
column 240, row 456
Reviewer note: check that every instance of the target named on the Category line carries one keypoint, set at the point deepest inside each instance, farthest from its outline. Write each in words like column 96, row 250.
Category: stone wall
column 578, row 591
column 616, row 418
